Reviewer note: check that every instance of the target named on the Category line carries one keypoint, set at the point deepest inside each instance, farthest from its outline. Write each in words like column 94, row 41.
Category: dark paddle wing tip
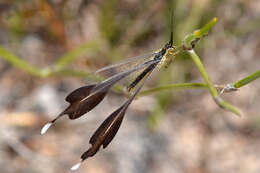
column 105, row 133
column 114, row 129
column 103, row 130
column 83, row 100
column 80, row 107
column 80, row 93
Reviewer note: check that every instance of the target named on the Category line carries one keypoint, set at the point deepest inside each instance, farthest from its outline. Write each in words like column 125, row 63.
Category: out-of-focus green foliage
column 58, row 68
column 109, row 27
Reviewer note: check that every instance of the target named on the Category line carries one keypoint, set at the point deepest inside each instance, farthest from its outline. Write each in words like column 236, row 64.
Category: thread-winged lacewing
column 84, row 99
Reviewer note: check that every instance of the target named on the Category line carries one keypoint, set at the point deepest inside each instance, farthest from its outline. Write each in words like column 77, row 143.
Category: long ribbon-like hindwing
column 109, row 128
column 84, row 99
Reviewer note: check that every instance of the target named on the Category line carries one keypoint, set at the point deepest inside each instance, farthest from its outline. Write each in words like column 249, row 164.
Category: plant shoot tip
column 196, row 33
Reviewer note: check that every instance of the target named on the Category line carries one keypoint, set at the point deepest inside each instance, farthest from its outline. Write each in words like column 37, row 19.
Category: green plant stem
column 57, row 69
column 235, row 85
column 203, row 72
column 70, row 56
column 19, row 63
column 247, row 79
column 211, row 88
column 198, row 34
column 69, row 72
column 174, row 86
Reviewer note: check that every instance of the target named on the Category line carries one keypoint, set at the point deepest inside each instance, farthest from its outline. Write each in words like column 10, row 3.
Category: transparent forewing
column 124, row 75
column 125, row 64
column 137, row 64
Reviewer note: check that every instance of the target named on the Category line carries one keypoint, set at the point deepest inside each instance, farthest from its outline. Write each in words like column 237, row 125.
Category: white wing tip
column 76, row 166
column 45, row 128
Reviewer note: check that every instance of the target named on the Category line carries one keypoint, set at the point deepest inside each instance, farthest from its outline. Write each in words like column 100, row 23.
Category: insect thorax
column 167, row 58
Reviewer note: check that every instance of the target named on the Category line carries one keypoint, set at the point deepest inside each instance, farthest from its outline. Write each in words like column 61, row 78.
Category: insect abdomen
column 141, row 76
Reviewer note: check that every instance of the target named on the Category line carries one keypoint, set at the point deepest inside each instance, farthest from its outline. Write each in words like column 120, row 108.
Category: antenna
column 171, row 29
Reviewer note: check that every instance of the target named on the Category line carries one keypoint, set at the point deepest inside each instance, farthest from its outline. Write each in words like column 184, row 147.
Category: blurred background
column 177, row 131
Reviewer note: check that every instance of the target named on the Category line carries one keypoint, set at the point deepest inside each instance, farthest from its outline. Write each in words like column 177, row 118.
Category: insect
column 84, row 99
